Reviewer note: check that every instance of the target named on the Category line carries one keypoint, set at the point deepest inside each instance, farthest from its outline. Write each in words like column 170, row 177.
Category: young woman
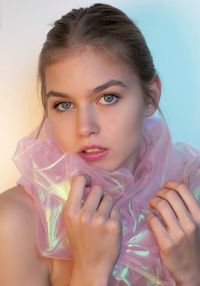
column 104, row 197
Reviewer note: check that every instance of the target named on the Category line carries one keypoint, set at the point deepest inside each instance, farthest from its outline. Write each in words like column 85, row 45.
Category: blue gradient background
column 172, row 34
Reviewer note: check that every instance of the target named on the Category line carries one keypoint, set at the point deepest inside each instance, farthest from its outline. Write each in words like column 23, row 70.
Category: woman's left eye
column 109, row 98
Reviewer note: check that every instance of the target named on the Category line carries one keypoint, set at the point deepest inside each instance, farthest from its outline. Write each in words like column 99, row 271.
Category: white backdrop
column 170, row 28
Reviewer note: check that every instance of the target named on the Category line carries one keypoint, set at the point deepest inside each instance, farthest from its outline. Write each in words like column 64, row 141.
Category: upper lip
column 92, row 147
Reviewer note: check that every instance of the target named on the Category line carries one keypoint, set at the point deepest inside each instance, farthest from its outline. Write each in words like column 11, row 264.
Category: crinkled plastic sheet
column 46, row 175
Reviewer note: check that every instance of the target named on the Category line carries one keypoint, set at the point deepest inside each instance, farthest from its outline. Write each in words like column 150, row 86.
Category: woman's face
column 94, row 100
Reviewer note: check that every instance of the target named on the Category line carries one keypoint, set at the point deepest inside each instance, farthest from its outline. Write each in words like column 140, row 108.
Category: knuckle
column 181, row 186
column 108, row 198
column 180, row 236
column 85, row 217
column 116, row 214
column 161, row 204
column 191, row 228
column 170, row 195
column 168, row 182
column 98, row 219
column 69, row 214
column 97, row 189
column 116, row 210
column 114, row 226
column 168, row 247
column 96, row 192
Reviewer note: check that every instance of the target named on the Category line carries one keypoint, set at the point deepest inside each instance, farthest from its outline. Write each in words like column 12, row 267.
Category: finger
column 161, row 234
column 106, row 206
column 187, row 197
column 93, row 200
column 74, row 201
column 115, row 221
column 179, row 207
column 115, row 214
column 88, row 180
column 166, row 212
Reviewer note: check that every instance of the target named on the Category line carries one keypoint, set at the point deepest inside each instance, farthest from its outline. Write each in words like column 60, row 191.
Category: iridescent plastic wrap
column 46, row 175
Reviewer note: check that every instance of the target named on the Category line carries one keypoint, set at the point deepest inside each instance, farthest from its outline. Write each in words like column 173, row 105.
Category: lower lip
column 94, row 156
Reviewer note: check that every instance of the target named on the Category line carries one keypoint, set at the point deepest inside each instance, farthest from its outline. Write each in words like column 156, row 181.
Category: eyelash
column 55, row 106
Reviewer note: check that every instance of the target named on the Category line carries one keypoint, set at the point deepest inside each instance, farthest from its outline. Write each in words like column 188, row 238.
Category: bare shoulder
column 19, row 254
column 20, row 261
column 18, row 198
column 16, row 210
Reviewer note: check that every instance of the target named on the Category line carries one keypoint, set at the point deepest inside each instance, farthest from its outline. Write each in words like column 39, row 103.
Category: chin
column 106, row 166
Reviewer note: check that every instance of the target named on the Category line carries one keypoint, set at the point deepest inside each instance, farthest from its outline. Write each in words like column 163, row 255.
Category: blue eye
column 62, row 106
column 110, row 98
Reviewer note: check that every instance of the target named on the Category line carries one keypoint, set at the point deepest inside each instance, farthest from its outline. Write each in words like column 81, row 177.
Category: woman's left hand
column 178, row 231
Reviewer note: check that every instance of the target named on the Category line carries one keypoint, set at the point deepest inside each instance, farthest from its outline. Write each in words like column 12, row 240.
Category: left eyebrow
column 94, row 91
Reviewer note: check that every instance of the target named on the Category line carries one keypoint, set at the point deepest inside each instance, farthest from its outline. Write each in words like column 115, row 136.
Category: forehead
column 86, row 69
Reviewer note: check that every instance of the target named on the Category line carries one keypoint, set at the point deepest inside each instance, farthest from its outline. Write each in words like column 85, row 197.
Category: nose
column 87, row 124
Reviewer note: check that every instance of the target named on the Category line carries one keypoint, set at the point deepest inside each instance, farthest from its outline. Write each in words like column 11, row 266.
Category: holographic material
column 46, row 175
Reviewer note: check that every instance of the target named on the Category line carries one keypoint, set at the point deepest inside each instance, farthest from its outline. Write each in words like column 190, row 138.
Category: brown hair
column 103, row 28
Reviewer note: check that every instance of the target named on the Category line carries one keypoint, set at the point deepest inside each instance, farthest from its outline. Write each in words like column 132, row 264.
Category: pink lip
column 95, row 155
column 91, row 147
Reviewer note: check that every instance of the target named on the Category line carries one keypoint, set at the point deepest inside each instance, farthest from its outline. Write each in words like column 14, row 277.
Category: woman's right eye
column 62, row 106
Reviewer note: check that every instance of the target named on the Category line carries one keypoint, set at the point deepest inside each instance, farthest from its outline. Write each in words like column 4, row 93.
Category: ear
column 154, row 89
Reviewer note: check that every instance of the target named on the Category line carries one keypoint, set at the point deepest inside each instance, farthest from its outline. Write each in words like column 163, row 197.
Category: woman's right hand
column 94, row 230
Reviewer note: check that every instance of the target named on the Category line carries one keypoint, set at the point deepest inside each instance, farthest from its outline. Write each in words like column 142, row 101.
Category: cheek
column 62, row 133
column 131, row 120
column 129, row 128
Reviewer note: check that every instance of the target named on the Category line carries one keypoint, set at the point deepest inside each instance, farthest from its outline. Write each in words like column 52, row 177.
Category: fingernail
column 88, row 180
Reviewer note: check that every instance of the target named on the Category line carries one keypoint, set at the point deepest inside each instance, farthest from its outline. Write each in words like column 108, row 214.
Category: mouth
column 93, row 153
